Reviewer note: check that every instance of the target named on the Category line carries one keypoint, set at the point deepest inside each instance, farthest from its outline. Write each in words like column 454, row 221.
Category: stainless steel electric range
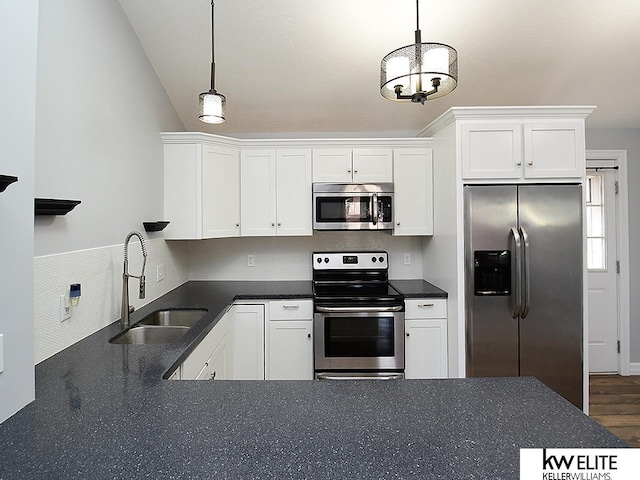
column 358, row 317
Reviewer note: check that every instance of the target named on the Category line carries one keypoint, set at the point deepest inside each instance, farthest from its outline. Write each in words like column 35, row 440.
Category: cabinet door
column 554, row 150
column 372, row 165
column 425, row 348
column 193, row 364
column 413, row 191
column 258, row 193
column 332, row 165
column 183, row 191
column 293, row 186
column 491, row 150
column 246, row 343
column 220, row 192
column 215, row 368
column 290, row 350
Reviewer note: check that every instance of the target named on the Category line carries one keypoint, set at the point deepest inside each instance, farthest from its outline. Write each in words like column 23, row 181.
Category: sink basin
column 150, row 335
column 181, row 317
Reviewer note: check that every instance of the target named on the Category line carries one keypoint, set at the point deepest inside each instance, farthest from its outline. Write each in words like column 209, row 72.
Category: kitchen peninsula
column 104, row 411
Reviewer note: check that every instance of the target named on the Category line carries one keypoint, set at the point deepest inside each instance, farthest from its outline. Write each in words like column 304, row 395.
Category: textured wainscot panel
column 99, row 270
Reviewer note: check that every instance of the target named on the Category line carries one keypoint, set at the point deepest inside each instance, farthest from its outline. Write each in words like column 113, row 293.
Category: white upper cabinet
column 201, row 191
column 293, row 197
column 413, row 191
column 554, row 149
column 518, row 150
column 275, row 192
column 220, row 192
column 258, row 193
column 346, row 165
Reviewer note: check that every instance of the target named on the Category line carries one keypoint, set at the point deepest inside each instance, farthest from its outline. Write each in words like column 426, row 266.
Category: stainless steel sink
column 150, row 335
column 181, row 317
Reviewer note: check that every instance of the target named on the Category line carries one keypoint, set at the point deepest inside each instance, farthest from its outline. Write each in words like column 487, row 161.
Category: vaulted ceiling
column 312, row 67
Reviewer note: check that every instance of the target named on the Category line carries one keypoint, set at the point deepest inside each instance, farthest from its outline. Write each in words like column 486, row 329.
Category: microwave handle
column 375, row 208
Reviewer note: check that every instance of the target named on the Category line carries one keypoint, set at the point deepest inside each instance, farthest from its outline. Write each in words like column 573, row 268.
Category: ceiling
column 312, row 67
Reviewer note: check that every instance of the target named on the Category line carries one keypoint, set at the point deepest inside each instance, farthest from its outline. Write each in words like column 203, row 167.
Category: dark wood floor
column 614, row 402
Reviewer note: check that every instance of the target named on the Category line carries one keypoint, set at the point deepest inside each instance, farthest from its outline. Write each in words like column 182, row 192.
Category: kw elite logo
column 579, row 464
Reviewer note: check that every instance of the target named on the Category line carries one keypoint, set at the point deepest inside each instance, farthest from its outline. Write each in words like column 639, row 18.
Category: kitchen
column 114, row 169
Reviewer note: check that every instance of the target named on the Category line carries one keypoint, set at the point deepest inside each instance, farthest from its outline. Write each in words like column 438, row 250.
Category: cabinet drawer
column 290, row 310
column 425, row 308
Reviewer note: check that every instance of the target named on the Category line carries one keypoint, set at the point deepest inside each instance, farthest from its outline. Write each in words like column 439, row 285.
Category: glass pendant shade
column 411, row 70
column 213, row 106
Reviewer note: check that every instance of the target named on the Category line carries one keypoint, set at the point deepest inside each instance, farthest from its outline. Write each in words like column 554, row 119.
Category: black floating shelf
column 154, row 226
column 5, row 181
column 53, row 206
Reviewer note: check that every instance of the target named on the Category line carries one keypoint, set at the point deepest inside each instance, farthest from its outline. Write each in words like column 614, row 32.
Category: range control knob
column 373, row 259
column 326, row 259
column 381, row 259
column 319, row 260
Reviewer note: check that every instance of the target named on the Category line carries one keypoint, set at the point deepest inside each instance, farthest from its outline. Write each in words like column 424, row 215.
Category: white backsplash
column 99, row 271
column 289, row 258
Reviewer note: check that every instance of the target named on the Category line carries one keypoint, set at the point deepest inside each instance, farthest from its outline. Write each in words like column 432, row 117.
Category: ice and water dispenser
column 492, row 272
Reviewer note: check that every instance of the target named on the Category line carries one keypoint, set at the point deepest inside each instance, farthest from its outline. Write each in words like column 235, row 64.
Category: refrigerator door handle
column 518, row 283
column 527, row 290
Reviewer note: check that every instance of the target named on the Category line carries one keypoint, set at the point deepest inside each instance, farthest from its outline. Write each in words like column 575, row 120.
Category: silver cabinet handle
column 425, row 305
column 308, row 335
column 213, row 376
column 279, row 224
column 398, row 223
column 527, row 290
column 237, row 225
column 396, row 308
column 348, row 170
column 408, row 334
column 290, row 307
column 530, row 162
column 519, row 164
column 518, row 254
column 273, row 224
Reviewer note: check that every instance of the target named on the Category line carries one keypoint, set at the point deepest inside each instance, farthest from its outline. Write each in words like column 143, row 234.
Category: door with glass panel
column 602, row 270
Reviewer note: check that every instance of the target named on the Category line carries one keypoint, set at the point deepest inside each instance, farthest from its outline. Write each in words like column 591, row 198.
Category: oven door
column 352, row 211
column 359, row 339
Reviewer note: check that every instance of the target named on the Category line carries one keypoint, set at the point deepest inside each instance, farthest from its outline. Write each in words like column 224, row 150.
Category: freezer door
column 550, row 216
column 491, row 332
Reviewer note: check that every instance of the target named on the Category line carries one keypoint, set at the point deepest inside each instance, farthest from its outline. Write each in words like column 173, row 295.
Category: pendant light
column 419, row 71
column 213, row 105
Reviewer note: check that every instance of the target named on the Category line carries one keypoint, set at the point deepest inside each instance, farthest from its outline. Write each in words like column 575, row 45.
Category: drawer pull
column 423, row 305
column 290, row 307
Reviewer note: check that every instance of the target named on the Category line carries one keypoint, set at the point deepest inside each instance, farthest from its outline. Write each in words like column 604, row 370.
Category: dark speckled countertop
column 102, row 411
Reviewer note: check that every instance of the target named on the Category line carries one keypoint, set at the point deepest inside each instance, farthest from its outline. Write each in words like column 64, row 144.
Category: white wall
column 289, row 258
column 18, row 55
column 627, row 139
column 100, row 108
column 100, row 111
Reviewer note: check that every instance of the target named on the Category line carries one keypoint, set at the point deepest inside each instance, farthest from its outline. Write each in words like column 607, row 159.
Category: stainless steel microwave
column 352, row 206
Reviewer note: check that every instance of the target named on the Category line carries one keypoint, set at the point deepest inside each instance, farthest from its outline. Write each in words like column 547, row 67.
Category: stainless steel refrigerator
column 524, row 284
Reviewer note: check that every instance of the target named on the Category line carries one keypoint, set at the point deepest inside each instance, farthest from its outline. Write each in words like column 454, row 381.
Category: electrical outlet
column 251, row 260
column 407, row 259
column 160, row 273
column 65, row 307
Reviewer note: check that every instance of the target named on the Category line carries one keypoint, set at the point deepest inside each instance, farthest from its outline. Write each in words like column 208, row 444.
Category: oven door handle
column 360, row 376
column 396, row 308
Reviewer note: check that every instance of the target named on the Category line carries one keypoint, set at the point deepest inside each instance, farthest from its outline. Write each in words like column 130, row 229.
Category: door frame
column 619, row 159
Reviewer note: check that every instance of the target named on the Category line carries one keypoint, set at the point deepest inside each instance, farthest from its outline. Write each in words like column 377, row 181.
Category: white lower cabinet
column 246, row 342
column 210, row 358
column 426, row 338
column 289, row 340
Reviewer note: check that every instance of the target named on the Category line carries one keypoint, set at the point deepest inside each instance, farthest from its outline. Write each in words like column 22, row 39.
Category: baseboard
column 634, row 369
